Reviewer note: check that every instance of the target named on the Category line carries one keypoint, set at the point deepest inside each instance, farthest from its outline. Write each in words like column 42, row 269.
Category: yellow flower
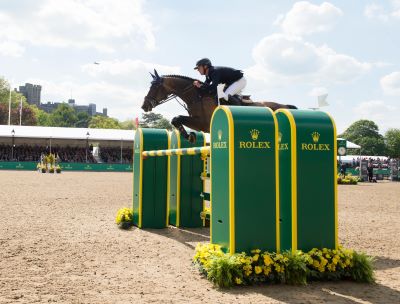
column 267, row 270
column 256, row 251
column 255, row 257
column 238, row 281
column 267, row 260
column 257, row 269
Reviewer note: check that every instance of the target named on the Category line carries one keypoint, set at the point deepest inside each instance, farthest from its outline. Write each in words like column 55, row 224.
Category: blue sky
column 291, row 51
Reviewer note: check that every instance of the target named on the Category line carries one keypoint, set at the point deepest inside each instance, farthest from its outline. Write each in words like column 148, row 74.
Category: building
column 90, row 109
column 31, row 92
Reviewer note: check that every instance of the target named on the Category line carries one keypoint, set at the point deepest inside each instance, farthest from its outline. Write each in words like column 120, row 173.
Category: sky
column 290, row 51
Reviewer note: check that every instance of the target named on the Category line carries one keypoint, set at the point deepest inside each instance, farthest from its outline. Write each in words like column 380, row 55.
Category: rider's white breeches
column 235, row 88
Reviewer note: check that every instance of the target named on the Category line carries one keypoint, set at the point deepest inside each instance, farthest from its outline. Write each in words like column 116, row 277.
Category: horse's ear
column 155, row 73
column 154, row 77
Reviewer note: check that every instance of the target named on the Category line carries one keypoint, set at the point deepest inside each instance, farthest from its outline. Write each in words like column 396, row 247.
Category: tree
column 392, row 138
column 156, row 121
column 128, row 125
column 63, row 116
column 42, row 117
column 163, row 123
column 366, row 134
column 83, row 120
column 102, row 122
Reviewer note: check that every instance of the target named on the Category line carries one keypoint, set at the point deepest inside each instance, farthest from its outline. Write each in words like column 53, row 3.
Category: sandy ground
column 59, row 243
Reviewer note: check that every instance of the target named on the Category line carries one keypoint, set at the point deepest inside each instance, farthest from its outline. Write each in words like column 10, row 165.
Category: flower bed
column 347, row 180
column 226, row 270
column 124, row 218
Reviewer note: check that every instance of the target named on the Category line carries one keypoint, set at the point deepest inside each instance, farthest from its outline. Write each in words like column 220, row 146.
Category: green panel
column 18, row 166
column 253, row 167
column 190, row 184
column 220, row 179
column 285, row 181
column 173, row 188
column 255, row 179
column 316, row 180
column 69, row 166
column 154, row 180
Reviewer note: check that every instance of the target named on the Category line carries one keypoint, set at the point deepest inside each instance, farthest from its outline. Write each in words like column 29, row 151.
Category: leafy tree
column 42, row 117
column 83, row 120
column 154, row 120
column 63, row 116
column 102, row 122
column 162, row 123
column 392, row 138
column 366, row 134
column 128, row 125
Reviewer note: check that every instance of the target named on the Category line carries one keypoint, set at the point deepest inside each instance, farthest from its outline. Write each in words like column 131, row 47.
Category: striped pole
column 187, row 151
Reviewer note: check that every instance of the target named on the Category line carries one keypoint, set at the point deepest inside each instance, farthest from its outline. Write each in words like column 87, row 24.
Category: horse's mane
column 181, row 77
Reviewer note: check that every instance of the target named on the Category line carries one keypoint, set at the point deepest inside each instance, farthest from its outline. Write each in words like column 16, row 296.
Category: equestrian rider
column 232, row 79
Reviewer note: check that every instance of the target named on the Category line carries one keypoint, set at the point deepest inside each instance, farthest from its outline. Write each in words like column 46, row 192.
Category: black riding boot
column 233, row 100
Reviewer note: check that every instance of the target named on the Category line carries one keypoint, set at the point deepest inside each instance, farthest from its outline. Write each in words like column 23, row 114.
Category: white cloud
column 117, row 85
column 282, row 59
column 382, row 113
column 376, row 11
column 391, row 84
column 306, row 18
column 133, row 73
column 11, row 49
column 94, row 24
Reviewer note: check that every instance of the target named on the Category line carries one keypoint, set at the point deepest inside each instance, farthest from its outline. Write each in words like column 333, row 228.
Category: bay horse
column 199, row 105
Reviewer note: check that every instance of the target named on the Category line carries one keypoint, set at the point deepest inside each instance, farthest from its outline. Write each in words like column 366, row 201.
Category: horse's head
column 156, row 94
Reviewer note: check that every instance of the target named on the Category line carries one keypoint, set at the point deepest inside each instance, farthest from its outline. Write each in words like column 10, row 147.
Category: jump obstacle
column 273, row 179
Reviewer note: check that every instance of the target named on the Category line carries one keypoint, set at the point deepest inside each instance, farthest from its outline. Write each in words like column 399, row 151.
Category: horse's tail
column 291, row 107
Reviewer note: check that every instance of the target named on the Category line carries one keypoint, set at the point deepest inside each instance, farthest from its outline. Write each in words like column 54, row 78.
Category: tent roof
column 66, row 133
column 350, row 145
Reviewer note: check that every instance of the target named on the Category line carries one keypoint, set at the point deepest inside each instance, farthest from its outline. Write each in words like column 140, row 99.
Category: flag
column 20, row 111
column 137, row 122
column 322, row 101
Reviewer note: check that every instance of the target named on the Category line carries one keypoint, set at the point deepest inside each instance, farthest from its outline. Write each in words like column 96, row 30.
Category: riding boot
column 235, row 101
column 183, row 132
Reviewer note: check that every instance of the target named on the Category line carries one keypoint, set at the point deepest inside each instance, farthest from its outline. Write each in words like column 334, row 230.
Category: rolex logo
column 219, row 135
column 279, row 137
column 254, row 134
column 315, row 136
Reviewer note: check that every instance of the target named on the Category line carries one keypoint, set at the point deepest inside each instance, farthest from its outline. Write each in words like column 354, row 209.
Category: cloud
column 391, row 84
column 306, row 18
column 11, row 49
column 284, row 59
column 376, row 11
column 99, row 24
column 119, row 85
column 134, row 73
column 378, row 111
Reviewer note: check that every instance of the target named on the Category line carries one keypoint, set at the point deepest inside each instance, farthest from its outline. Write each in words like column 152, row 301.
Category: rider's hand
column 197, row 83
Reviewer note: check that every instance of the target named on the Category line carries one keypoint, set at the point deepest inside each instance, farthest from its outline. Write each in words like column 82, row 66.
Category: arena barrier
column 308, row 179
column 268, row 191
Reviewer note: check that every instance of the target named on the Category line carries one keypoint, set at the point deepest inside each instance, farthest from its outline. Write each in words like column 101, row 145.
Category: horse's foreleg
column 178, row 123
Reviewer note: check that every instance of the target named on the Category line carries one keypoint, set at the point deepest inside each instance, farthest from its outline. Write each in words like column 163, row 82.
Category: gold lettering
column 254, row 145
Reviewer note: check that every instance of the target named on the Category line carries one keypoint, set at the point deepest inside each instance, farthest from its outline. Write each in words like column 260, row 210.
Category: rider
column 233, row 80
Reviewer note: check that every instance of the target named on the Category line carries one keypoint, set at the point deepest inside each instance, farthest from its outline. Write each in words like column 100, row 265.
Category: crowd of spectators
column 376, row 162
column 65, row 154
column 34, row 153
column 113, row 155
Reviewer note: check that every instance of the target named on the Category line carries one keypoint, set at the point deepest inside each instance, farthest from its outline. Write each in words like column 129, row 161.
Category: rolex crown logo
column 279, row 137
column 254, row 134
column 315, row 136
column 219, row 135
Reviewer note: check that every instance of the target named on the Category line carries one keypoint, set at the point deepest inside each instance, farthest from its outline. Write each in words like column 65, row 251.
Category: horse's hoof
column 192, row 138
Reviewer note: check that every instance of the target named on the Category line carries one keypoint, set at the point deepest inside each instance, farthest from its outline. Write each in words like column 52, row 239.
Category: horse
column 199, row 105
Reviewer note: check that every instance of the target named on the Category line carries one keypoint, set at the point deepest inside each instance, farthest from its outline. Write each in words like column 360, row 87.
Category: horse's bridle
column 153, row 102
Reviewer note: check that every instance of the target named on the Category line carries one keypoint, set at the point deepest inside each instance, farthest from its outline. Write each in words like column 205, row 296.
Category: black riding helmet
column 203, row 61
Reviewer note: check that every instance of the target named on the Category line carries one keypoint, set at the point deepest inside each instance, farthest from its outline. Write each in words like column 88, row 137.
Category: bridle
column 174, row 95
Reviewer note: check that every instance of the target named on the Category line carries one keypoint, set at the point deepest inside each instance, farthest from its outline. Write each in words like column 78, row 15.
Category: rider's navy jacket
column 217, row 75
